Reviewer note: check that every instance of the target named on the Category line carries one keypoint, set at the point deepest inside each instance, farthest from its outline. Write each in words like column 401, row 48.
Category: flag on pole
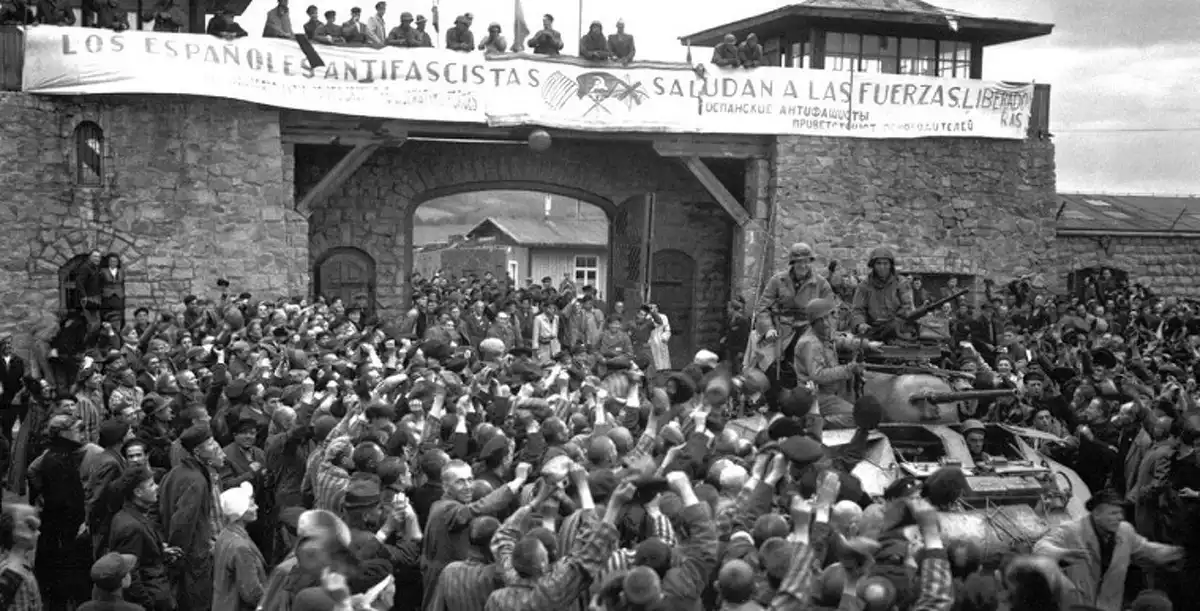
column 520, row 27
column 434, row 11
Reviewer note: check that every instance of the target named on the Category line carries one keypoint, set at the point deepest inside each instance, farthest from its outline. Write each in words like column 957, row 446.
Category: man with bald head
column 602, row 453
column 735, row 586
column 845, row 517
column 622, row 45
column 446, row 530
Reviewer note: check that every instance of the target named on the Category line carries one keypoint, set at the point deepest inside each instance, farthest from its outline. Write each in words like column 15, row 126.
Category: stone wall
column 192, row 190
column 374, row 209
column 1168, row 266
column 964, row 206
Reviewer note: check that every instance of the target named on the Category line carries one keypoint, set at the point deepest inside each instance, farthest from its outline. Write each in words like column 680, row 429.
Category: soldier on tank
column 784, row 300
column 816, row 360
column 880, row 299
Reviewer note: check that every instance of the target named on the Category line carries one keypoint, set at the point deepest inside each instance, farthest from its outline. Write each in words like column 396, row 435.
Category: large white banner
column 509, row 90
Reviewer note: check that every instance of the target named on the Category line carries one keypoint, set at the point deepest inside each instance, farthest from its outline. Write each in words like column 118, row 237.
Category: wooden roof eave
column 984, row 30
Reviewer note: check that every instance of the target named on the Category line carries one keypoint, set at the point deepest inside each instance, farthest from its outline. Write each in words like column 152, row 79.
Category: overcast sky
column 1112, row 65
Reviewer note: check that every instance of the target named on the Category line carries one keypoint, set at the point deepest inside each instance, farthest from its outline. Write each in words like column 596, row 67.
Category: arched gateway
column 373, row 209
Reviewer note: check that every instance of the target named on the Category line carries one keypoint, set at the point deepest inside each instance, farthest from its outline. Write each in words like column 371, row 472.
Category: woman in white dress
column 545, row 333
column 659, row 349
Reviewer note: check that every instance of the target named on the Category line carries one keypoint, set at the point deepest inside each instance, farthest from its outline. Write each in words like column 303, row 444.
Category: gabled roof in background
column 426, row 235
column 1124, row 213
column 987, row 30
column 546, row 233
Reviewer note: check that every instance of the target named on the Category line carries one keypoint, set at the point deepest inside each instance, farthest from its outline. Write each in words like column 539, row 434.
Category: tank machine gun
column 905, row 340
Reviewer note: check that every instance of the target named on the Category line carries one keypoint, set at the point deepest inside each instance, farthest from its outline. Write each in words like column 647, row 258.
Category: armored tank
column 1009, row 503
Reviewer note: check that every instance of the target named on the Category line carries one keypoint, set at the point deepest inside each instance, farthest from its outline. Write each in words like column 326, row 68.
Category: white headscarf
column 235, row 502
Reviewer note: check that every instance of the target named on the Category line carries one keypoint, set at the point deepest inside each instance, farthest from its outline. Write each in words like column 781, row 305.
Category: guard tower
column 888, row 36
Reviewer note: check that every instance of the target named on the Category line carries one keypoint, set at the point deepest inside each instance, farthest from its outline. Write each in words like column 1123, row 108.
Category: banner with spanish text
column 521, row 89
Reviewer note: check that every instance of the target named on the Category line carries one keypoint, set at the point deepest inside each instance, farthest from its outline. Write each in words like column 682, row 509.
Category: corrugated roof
column 426, row 235
column 1117, row 213
column 555, row 232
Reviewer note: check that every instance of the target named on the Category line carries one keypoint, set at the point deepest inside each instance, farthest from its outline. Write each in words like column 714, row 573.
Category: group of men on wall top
column 411, row 32
column 730, row 54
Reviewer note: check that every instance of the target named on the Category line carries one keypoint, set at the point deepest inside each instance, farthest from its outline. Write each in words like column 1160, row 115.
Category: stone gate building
column 191, row 189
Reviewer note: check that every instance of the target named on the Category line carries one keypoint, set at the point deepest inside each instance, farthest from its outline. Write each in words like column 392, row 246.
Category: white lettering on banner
column 519, row 89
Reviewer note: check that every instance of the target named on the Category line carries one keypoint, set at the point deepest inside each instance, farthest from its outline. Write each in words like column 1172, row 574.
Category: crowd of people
column 509, row 448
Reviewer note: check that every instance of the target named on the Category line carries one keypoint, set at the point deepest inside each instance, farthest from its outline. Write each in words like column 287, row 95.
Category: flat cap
column 802, row 450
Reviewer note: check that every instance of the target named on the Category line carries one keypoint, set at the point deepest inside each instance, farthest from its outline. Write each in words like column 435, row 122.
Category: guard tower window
column 89, row 154
column 954, row 59
column 918, row 56
column 846, row 52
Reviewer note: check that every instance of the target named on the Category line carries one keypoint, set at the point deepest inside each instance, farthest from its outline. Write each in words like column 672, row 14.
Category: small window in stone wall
column 69, row 297
column 89, row 154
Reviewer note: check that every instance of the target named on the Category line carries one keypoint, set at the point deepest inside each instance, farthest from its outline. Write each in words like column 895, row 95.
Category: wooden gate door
column 673, row 289
column 349, row 274
column 629, row 236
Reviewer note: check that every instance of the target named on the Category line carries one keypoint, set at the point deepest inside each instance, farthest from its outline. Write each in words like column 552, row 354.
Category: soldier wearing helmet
column 817, row 361
column 784, row 300
column 880, row 299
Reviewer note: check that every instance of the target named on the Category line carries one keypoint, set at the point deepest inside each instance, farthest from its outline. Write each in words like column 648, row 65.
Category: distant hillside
column 471, row 208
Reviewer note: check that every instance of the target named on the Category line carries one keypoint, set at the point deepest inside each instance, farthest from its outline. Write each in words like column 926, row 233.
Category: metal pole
column 580, row 23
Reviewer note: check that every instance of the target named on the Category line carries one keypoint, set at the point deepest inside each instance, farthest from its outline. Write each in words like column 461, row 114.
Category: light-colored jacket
column 239, row 571
column 1088, row 586
column 376, row 30
column 546, row 329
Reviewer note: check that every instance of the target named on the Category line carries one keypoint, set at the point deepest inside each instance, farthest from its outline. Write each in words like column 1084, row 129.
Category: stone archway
column 375, row 207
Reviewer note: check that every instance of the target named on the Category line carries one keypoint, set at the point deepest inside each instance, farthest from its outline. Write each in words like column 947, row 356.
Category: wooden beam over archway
column 713, row 185
column 337, row 176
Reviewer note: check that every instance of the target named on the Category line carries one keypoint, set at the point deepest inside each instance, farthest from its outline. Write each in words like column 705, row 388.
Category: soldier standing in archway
column 784, row 300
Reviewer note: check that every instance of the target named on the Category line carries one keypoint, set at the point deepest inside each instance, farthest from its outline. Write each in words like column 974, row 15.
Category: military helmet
column 800, row 251
column 881, row 253
column 819, row 308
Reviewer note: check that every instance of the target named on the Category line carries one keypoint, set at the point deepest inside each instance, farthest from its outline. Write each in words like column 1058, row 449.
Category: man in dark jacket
column 102, row 500
column 190, row 517
column 12, row 380
column 88, row 282
column 133, row 532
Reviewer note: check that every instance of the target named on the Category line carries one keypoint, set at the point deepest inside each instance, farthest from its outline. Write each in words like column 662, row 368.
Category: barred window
column 89, row 154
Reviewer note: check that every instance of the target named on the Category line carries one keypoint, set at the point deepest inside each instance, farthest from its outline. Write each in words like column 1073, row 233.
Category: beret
column 195, row 436
column 1104, row 358
column 797, row 402
column 362, row 492
column 802, row 450
column 868, row 412
column 602, row 483
column 436, row 350
column 323, row 426
column 495, row 448
column 618, row 363
column 236, row 388
column 456, row 364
